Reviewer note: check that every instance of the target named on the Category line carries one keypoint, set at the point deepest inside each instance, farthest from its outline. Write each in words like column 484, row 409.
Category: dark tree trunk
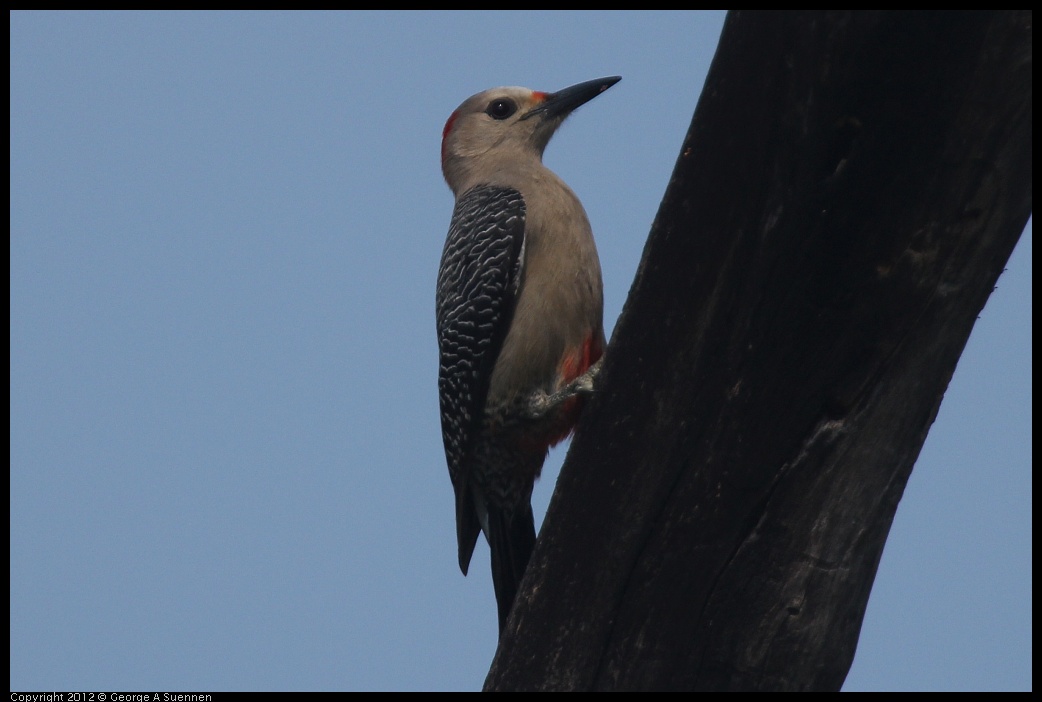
column 849, row 191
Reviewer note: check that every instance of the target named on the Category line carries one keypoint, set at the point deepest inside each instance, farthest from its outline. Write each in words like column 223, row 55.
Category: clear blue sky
column 226, row 461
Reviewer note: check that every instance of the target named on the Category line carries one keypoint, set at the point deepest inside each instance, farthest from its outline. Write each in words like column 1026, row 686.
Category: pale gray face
column 515, row 124
column 496, row 119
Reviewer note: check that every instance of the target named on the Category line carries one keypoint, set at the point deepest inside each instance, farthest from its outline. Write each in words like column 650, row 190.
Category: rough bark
column 849, row 191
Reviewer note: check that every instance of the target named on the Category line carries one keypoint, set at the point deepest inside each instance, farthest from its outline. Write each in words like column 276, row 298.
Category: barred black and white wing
column 477, row 287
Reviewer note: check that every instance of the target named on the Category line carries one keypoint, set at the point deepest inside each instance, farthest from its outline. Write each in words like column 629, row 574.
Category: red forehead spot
column 539, row 96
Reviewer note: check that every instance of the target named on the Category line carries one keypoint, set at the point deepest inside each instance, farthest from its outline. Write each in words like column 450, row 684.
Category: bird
column 519, row 316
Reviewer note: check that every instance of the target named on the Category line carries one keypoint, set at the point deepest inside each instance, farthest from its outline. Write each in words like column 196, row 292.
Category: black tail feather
column 511, row 542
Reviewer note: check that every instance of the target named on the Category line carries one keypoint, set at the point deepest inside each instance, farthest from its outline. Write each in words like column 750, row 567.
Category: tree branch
column 849, row 191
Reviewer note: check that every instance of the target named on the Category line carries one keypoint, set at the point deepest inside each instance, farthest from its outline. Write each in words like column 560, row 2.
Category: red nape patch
column 445, row 132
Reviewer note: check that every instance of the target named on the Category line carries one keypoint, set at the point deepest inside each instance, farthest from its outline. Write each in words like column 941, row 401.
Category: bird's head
column 508, row 125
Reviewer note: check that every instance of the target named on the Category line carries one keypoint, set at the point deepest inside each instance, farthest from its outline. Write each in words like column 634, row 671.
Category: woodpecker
column 519, row 311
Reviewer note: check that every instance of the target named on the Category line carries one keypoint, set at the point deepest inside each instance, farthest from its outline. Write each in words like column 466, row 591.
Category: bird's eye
column 501, row 108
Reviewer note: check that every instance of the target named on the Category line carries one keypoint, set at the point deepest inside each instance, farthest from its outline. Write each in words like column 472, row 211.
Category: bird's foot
column 541, row 404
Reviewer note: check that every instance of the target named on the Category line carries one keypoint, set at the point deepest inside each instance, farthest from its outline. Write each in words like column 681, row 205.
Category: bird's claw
column 540, row 403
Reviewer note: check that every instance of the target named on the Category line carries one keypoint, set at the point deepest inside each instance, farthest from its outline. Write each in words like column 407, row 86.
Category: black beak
column 562, row 102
